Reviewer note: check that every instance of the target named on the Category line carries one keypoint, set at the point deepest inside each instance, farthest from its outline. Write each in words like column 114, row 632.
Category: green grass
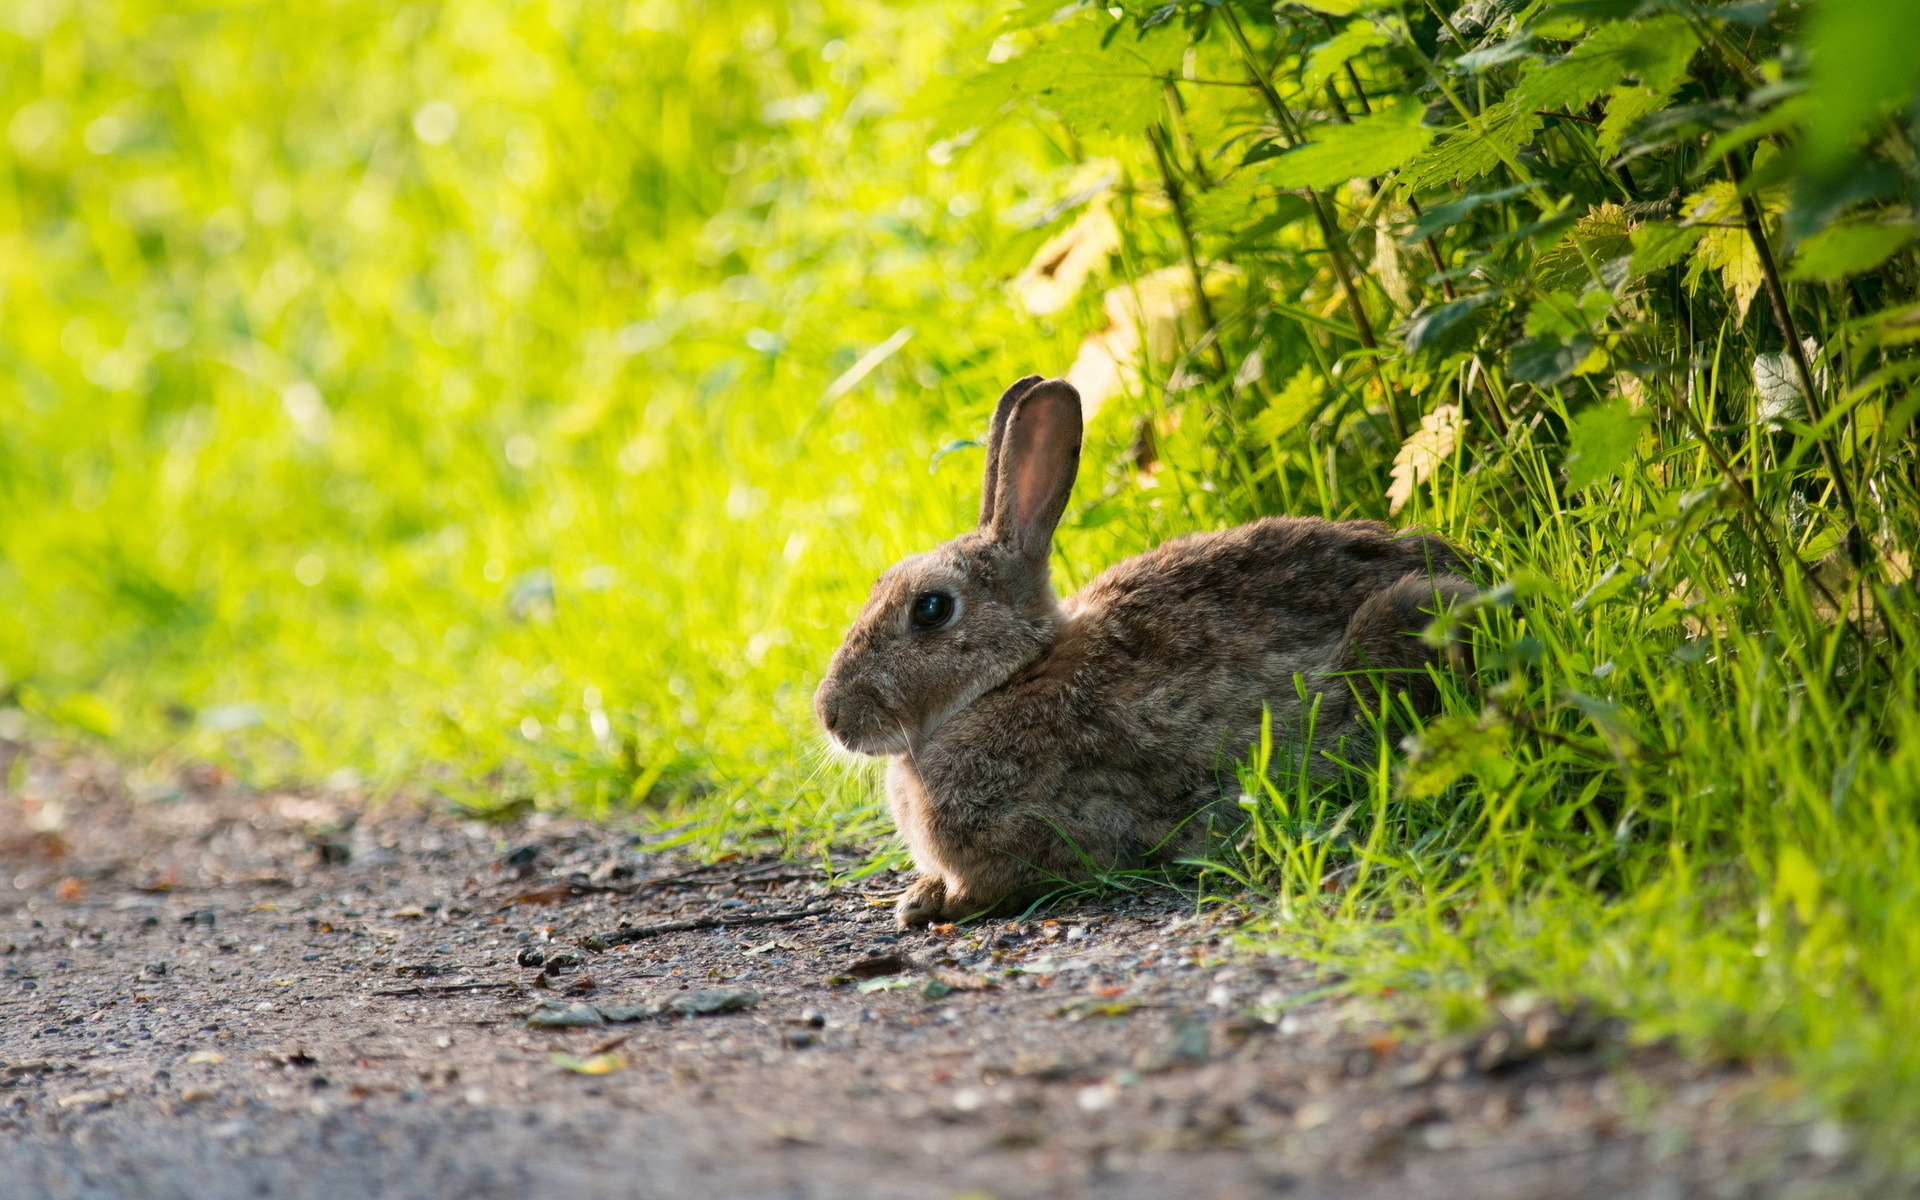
column 514, row 401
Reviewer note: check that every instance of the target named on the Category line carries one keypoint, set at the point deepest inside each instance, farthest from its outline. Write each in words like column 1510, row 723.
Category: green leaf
column 1434, row 326
column 1247, row 197
column 1294, row 404
column 1372, row 145
column 1444, row 216
column 1452, row 747
column 1545, row 361
column 1601, row 440
column 1655, row 53
column 1329, row 56
column 1088, row 69
column 1845, row 250
column 1467, row 153
column 1657, row 246
column 1602, row 237
column 1864, row 61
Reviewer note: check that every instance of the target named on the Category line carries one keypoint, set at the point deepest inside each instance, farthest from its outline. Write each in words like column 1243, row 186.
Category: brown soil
column 211, row 993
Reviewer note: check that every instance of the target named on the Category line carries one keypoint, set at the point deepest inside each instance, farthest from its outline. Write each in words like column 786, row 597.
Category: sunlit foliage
column 515, row 399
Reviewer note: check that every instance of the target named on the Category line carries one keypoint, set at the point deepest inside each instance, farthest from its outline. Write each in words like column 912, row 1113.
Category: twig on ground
column 423, row 991
column 636, row 933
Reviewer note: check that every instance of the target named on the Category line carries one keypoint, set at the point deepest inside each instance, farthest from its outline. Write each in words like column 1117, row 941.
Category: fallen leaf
column 877, row 965
column 598, row 1064
column 552, row 894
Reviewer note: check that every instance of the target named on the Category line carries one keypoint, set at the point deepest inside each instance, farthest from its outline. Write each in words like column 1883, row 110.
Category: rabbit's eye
column 931, row 610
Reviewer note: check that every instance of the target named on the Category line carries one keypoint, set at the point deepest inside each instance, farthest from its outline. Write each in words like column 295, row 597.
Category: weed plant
column 515, row 400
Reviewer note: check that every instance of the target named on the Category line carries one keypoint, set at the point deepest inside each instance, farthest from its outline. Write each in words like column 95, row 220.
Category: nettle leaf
column 1492, row 56
column 1295, row 403
column 1655, row 53
column 1596, row 242
column 1467, row 153
column 1845, row 250
column 1661, row 245
column 1371, row 145
column 1329, row 56
column 1285, row 209
column 1600, row 442
column 1089, row 70
column 1724, row 244
column 1624, row 111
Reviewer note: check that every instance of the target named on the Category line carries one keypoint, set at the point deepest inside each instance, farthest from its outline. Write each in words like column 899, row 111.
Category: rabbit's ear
column 995, row 433
column 1039, row 453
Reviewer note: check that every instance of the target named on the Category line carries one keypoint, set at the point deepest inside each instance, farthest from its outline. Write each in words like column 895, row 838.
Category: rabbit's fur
column 1034, row 740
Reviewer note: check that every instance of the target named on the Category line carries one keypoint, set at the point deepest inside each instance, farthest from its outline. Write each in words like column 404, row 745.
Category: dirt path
column 210, row 994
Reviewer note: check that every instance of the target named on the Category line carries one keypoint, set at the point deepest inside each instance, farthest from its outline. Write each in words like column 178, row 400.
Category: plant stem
column 1336, row 250
column 1156, row 138
column 1784, row 322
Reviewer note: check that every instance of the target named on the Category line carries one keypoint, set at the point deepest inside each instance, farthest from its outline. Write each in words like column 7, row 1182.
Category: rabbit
column 1034, row 740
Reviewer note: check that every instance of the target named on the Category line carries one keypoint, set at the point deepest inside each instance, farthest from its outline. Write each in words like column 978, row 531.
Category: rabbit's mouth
column 876, row 744
column 857, row 722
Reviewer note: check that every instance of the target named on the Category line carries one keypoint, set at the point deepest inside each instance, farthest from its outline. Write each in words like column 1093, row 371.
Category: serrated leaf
column 1329, row 56
column 1467, row 153
column 1624, row 111
column 1661, row 245
column 1088, row 69
column 1423, row 452
column 1294, row 404
column 1655, row 53
column 1844, row 250
column 1600, row 442
column 1369, row 146
column 1604, row 235
column 1496, row 55
column 1724, row 244
column 1247, row 197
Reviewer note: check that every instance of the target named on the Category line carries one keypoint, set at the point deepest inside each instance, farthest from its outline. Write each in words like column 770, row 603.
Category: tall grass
column 516, row 399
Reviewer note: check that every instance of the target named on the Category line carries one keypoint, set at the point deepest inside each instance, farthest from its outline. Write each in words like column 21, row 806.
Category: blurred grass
column 515, row 400
column 444, row 389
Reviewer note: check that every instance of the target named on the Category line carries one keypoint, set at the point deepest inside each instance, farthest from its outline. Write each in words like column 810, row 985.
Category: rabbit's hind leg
column 1386, row 645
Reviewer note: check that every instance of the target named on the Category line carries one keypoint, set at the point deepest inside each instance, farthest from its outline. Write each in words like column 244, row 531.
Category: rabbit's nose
column 828, row 706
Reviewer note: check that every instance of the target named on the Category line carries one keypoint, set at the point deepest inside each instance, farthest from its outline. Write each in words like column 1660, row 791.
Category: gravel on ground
column 213, row 992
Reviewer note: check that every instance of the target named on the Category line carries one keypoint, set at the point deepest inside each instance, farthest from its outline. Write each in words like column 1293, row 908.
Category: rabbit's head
column 943, row 627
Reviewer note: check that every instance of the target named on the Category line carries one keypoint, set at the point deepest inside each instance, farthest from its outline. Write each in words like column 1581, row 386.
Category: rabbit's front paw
column 923, row 902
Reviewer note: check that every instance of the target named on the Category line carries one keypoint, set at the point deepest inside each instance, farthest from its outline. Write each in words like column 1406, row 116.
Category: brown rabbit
column 1033, row 740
